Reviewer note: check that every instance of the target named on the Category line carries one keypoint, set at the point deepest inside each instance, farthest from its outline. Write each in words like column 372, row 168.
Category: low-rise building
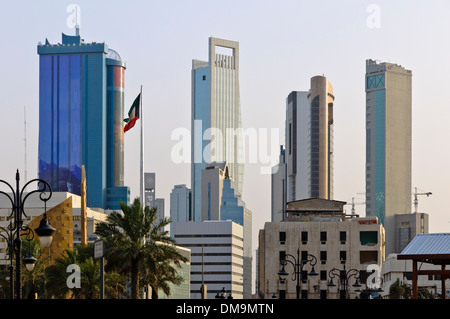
column 319, row 228
column 394, row 269
column 64, row 214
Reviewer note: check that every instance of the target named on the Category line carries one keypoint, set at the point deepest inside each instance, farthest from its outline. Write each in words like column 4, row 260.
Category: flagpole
column 142, row 152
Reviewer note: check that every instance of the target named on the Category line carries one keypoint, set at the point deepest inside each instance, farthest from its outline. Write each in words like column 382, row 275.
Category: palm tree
column 135, row 242
column 57, row 276
column 90, row 276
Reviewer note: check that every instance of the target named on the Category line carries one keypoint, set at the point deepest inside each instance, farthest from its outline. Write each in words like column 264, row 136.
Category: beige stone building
column 320, row 228
column 64, row 211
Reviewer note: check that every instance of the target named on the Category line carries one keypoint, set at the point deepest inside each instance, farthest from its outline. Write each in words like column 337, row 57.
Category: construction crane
column 353, row 213
column 416, row 201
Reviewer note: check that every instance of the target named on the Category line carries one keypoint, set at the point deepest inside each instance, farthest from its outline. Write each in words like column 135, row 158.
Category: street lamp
column 12, row 234
column 344, row 277
column 298, row 265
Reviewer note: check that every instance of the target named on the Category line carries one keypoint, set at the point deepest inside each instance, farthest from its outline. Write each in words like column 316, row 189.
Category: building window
column 323, row 294
column 304, row 294
column 282, row 294
column 282, row 255
column 323, row 257
column 343, row 256
column 375, row 81
column 304, row 236
column 204, row 78
column 343, row 236
column 323, row 236
column 304, row 255
column 323, row 275
column 282, row 237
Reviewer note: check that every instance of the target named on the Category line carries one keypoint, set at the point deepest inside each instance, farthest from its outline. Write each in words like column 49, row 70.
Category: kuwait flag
column 133, row 114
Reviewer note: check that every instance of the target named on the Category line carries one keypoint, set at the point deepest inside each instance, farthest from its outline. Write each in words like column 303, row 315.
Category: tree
column 136, row 244
column 399, row 290
column 33, row 282
column 57, row 276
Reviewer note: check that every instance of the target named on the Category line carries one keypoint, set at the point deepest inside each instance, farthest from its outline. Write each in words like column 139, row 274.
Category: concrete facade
column 320, row 228
column 64, row 214
column 217, row 249
column 402, row 270
column 407, row 226
column 388, row 144
column 278, row 188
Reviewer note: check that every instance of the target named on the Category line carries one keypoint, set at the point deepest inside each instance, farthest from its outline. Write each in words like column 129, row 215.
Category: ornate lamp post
column 372, row 290
column 12, row 234
column 344, row 276
column 297, row 264
column 222, row 294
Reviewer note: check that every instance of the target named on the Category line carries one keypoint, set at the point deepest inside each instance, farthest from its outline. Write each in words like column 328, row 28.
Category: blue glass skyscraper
column 81, row 94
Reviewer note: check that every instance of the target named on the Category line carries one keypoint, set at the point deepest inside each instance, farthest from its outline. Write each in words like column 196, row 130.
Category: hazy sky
column 282, row 45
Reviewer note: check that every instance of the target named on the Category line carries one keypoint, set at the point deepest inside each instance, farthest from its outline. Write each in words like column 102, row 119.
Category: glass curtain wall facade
column 79, row 122
column 388, row 144
column 60, row 122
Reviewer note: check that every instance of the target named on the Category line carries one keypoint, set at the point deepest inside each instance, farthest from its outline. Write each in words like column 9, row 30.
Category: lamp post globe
column 45, row 232
column 29, row 261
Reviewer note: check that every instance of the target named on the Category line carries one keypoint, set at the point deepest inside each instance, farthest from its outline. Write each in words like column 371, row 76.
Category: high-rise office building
column 216, row 116
column 222, row 201
column 278, row 188
column 388, row 144
column 150, row 195
column 81, row 97
column 309, row 141
column 180, row 205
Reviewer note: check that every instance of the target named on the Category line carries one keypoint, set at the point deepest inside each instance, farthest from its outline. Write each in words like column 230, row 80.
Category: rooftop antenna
column 77, row 26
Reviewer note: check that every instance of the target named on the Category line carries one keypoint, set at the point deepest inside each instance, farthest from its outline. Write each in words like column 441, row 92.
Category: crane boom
column 416, row 200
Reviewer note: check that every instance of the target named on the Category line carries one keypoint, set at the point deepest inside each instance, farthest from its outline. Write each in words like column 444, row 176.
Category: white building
column 402, row 270
column 217, row 249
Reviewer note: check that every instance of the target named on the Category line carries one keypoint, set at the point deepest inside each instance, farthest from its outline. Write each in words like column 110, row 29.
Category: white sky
column 282, row 45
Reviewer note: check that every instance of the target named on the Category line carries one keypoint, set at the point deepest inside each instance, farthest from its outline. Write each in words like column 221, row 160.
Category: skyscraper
column 180, row 205
column 309, row 141
column 388, row 144
column 216, row 116
column 81, row 97
column 278, row 188
column 221, row 201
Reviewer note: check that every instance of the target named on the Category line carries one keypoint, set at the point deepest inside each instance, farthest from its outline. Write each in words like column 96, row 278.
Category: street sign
column 98, row 249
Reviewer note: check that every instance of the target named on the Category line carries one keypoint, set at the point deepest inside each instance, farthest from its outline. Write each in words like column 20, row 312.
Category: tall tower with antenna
column 77, row 25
